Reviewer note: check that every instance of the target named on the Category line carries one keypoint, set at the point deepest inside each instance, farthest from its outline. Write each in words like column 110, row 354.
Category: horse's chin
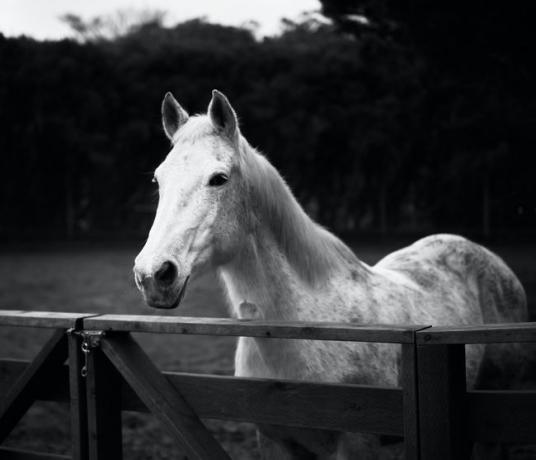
column 164, row 304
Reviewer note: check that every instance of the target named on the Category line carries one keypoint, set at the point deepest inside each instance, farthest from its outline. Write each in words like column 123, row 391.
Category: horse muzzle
column 163, row 288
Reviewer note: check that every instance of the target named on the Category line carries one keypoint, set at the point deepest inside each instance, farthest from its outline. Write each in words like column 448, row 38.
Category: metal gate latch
column 91, row 339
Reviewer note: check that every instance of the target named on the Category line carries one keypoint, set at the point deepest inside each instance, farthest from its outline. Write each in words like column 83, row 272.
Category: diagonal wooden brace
column 161, row 397
column 45, row 367
column 7, row 453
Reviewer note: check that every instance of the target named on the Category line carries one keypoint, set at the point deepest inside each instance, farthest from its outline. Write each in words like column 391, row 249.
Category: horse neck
column 286, row 256
column 259, row 281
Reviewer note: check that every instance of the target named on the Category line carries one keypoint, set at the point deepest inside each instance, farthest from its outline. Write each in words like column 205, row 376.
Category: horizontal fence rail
column 432, row 410
column 254, row 328
column 486, row 333
column 281, row 402
column 44, row 319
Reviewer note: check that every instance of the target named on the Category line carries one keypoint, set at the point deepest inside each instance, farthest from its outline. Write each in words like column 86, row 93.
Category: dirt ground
column 99, row 280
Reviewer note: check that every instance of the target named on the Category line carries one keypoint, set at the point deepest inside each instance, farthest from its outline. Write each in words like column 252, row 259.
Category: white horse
column 223, row 205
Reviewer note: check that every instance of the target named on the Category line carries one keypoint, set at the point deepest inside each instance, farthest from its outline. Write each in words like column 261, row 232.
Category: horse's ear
column 173, row 115
column 222, row 114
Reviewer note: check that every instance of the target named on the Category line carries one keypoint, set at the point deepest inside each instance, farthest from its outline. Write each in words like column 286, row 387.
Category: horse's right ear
column 173, row 115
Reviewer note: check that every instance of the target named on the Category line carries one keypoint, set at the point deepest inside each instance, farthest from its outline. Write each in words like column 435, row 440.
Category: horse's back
column 452, row 268
column 467, row 285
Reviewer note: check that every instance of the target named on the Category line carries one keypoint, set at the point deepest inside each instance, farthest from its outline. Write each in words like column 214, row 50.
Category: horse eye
column 218, row 179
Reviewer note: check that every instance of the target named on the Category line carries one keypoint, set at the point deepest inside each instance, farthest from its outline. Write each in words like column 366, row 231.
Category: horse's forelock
column 198, row 127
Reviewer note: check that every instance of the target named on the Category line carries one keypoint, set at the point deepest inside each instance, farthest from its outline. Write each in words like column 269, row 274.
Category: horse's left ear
column 222, row 114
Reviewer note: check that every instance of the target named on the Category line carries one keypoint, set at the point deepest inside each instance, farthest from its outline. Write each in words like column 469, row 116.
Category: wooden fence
column 107, row 372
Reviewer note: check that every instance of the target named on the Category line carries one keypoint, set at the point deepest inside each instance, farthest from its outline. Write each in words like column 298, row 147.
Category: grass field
column 99, row 280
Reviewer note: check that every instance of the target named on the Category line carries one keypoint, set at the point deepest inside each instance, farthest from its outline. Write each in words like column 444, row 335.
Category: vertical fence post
column 410, row 401
column 103, row 385
column 77, row 391
column 441, row 389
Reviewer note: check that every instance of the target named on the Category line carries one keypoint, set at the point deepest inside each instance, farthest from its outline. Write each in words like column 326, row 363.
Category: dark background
column 419, row 118
column 400, row 119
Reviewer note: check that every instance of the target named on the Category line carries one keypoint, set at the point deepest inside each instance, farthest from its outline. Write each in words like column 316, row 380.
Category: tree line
column 374, row 133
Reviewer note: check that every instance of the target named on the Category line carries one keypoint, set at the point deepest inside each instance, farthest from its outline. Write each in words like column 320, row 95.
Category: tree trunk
column 486, row 206
column 382, row 208
column 69, row 208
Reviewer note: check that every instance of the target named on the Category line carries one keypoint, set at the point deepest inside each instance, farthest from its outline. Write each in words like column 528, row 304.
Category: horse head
column 200, row 200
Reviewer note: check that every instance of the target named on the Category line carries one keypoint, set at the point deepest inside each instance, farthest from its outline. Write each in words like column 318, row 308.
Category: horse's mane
column 311, row 250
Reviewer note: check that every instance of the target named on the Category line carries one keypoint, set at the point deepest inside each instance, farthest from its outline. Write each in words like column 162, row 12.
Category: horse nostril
column 140, row 278
column 166, row 274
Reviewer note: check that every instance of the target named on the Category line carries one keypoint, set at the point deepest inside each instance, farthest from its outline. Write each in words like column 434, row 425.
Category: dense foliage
column 371, row 135
column 479, row 102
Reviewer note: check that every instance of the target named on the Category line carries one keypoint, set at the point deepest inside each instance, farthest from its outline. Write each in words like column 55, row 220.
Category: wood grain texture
column 290, row 403
column 77, row 399
column 48, row 319
column 486, row 333
column 161, row 398
column 408, row 380
column 103, row 395
column 441, row 389
column 7, row 453
column 253, row 328
column 495, row 415
column 267, row 401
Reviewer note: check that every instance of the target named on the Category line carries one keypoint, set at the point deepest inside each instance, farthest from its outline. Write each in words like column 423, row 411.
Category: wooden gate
column 107, row 372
